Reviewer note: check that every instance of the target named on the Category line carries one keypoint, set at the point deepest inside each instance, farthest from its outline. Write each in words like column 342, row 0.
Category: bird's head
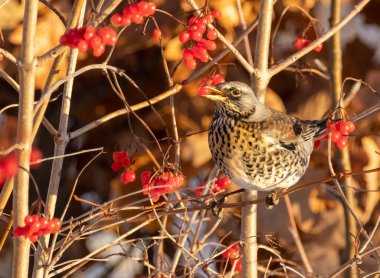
column 236, row 99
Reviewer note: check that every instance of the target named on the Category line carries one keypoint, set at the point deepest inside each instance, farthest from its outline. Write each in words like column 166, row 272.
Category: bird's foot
column 214, row 206
column 271, row 200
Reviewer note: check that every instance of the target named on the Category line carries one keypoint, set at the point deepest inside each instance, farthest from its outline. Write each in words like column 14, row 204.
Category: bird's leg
column 272, row 199
column 214, row 205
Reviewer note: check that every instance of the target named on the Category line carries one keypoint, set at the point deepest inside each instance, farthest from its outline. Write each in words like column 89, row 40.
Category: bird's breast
column 249, row 159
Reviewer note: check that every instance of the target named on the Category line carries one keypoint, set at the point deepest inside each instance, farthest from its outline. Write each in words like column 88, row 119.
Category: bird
column 257, row 147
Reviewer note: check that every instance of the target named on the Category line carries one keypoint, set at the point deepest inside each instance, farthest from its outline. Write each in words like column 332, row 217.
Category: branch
column 24, row 136
column 290, row 60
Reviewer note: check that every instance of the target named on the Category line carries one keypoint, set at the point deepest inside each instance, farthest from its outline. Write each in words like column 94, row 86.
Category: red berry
column 33, row 238
column 345, row 127
column 1, row 57
column 125, row 21
column 18, row 231
column 89, row 33
column 35, row 227
column 210, row 45
column 145, row 177
column 137, row 18
column 336, row 136
column 223, row 183
column 201, row 27
column 108, row 35
column 239, row 266
column 82, row 46
column 57, row 223
column 209, row 18
column 217, row 79
column 10, row 165
column 191, row 64
column 317, row 143
column 157, row 34
column 300, row 43
column 187, row 55
column 95, row 41
column 116, row 166
column 127, row 177
column 43, row 223
column 99, row 50
column 318, row 48
column 29, row 219
column 51, row 227
column 151, row 9
column 184, row 36
column 143, row 8
column 202, row 91
column 198, row 191
column 134, row 9
column 192, row 20
column 196, row 36
column 212, row 34
column 63, row 40
column 216, row 14
column 343, row 142
column 116, row 19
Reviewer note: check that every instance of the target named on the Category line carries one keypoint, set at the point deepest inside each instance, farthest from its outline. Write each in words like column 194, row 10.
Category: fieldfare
column 255, row 146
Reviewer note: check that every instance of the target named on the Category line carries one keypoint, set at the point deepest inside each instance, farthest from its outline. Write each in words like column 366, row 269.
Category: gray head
column 237, row 99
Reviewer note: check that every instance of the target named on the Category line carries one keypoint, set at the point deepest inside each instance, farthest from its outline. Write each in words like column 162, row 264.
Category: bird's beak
column 214, row 94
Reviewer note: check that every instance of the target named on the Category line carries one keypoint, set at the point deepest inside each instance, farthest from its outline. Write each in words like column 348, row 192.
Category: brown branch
column 27, row 71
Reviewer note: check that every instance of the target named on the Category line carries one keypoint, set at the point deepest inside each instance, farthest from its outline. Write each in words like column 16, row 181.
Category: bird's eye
column 235, row 92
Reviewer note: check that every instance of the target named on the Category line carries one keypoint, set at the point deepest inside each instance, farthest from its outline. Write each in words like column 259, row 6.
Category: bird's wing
column 287, row 131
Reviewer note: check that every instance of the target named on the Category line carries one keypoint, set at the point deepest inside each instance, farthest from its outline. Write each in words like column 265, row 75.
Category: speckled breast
column 242, row 154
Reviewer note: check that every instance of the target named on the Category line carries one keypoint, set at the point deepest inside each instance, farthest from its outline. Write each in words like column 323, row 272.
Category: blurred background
column 318, row 212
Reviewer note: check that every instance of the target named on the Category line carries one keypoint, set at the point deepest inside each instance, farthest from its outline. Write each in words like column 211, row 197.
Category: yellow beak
column 215, row 94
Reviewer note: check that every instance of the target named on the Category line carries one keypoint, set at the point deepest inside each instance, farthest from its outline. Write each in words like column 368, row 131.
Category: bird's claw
column 214, row 206
column 271, row 200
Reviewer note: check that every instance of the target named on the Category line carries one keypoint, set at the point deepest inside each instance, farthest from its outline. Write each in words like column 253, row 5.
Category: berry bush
column 104, row 157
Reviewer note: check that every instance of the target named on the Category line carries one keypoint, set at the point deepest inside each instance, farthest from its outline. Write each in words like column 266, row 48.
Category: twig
column 60, row 145
column 223, row 53
column 232, row 49
column 243, row 24
column 54, row 10
column 349, row 263
column 296, row 236
column 342, row 157
column 101, row 249
column 10, row 149
column 290, row 60
column 6, row 192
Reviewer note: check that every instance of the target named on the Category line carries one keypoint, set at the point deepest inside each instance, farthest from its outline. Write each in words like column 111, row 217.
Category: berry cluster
column 36, row 226
column 165, row 182
column 219, row 185
column 209, row 80
column 339, row 132
column 194, row 32
column 9, row 164
column 89, row 37
column 120, row 160
column 301, row 43
column 233, row 254
column 134, row 13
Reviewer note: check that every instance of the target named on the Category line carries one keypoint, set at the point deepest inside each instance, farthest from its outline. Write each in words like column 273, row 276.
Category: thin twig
column 290, row 60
